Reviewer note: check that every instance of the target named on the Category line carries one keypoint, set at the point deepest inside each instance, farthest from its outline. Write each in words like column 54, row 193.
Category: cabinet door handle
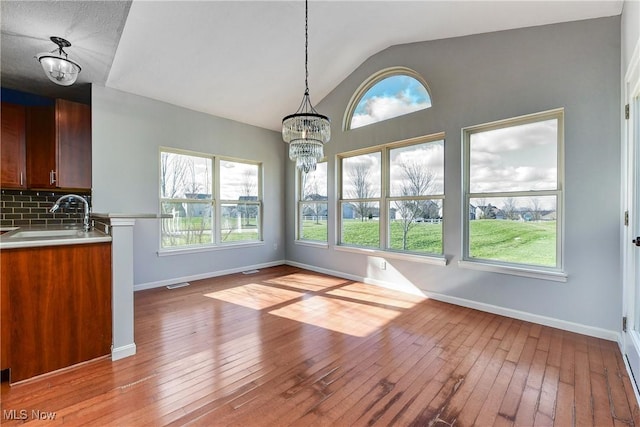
column 52, row 177
column 21, row 179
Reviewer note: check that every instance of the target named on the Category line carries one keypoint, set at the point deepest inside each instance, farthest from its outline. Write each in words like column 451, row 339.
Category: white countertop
column 27, row 237
column 129, row 215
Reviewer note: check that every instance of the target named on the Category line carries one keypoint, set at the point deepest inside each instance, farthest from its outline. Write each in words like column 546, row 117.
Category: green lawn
column 499, row 240
column 514, row 241
column 198, row 231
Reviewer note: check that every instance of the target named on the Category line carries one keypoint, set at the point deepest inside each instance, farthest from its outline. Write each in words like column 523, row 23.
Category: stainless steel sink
column 30, row 234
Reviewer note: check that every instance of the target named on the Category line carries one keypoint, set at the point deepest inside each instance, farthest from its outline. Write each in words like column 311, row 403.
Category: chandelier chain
column 306, row 46
column 306, row 131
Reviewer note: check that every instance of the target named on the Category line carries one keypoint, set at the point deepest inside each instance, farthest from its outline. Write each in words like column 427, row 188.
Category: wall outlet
column 383, row 265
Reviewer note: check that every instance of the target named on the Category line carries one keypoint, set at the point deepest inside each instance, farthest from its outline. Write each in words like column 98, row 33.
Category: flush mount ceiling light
column 306, row 131
column 57, row 66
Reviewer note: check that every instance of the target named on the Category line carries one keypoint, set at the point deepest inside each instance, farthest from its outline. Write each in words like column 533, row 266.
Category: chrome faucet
column 85, row 224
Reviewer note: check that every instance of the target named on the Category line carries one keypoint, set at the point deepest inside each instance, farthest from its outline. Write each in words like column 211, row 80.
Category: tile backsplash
column 31, row 207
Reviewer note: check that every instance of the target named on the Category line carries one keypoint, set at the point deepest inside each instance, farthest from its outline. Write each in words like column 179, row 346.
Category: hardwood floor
column 290, row 347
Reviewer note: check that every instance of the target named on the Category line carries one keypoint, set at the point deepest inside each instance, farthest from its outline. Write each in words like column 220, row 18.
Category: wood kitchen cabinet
column 13, row 163
column 5, row 330
column 58, row 141
column 57, row 306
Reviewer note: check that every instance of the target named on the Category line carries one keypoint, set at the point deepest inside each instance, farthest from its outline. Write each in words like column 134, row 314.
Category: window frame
column 215, row 202
column 300, row 202
column 371, row 82
column 221, row 202
column 555, row 273
column 384, row 201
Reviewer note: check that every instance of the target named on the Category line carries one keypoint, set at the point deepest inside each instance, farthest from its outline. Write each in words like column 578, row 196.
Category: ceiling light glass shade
column 59, row 69
column 306, row 132
column 57, row 65
column 306, row 153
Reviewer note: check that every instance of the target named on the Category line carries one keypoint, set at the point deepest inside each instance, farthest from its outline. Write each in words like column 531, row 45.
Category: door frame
column 630, row 340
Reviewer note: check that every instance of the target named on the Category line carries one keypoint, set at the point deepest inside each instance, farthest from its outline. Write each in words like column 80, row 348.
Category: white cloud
column 515, row 138
column 379, row 108
column 516, row 158
column 428, row 155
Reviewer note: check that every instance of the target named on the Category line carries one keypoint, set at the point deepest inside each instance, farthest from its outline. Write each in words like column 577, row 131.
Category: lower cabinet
column 56, row 308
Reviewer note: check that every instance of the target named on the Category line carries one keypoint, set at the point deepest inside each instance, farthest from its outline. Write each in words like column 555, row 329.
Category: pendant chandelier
column 57, row 66
column 306, row 131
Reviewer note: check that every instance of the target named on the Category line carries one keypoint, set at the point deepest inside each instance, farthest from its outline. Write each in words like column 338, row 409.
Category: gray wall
column 479, row 79
column 127, row 133
column 630, row 31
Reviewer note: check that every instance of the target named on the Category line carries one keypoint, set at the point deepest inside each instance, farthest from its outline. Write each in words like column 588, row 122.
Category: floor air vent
column 178, row 285
column 250, row 272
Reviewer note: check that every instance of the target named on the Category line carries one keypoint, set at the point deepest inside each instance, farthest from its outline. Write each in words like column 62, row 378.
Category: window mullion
column 217, row 211
column 383, row 212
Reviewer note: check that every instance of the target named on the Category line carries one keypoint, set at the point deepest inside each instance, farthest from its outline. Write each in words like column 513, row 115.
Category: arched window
column 389, row 93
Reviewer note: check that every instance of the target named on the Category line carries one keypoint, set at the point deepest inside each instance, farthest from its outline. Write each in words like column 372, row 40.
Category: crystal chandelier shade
column 57, row 66
column 306, row 131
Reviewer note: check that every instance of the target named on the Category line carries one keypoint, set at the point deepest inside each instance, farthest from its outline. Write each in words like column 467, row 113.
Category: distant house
column 489, row 212
column 315, row 197
column 195, row 210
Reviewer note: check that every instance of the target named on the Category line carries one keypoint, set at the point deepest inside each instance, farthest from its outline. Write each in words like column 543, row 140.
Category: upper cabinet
column 13, row 161
column 58, row 141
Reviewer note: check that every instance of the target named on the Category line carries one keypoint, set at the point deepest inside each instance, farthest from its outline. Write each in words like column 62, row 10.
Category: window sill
column 312, row 243
column 426, row 259
column 532, row 272
column 198, row 249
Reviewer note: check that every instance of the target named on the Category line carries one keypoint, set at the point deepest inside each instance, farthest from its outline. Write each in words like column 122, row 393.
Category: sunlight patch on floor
column 346, row 317
column 307, row 282
column 363, row 292
column 255, row 296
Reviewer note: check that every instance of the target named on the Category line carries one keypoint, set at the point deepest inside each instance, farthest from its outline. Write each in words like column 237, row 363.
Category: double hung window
column 513, row 192
column 210, row 201
column 313, row 204
column 391, row 197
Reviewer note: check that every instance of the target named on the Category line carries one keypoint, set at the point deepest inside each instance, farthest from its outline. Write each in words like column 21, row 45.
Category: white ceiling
column 92, row 27
column 244, row 60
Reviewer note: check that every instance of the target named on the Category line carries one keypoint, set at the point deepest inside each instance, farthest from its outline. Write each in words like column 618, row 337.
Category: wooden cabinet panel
column 59, row 306
column 41, row 147
column 59, row 146
column 12, row 156
column 73, row 144
column 5, row 330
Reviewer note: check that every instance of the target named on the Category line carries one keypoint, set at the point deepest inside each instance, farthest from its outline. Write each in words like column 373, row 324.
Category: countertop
column 129, row 215
column 27, row 237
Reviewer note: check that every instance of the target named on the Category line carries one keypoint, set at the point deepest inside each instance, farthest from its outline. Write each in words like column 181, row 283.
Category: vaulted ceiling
column 242, row 60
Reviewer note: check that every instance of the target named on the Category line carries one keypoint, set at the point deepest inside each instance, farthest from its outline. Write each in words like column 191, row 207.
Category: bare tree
column 481, row 209
column 311, row 192
column 510, row 208
column 249, row 182
column 196, row 217
column 173, row 174
column 417, row 180
column 248, row 186
column 359, row 175
column 536, row 208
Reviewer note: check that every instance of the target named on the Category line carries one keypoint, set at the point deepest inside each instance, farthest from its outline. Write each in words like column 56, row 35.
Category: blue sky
column 390, row 97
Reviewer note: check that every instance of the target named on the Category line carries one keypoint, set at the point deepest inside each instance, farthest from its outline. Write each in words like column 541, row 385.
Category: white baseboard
column 489, row 308
column 122, row 352
column 529, row 317
column 161, row 283
column 325, row 271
